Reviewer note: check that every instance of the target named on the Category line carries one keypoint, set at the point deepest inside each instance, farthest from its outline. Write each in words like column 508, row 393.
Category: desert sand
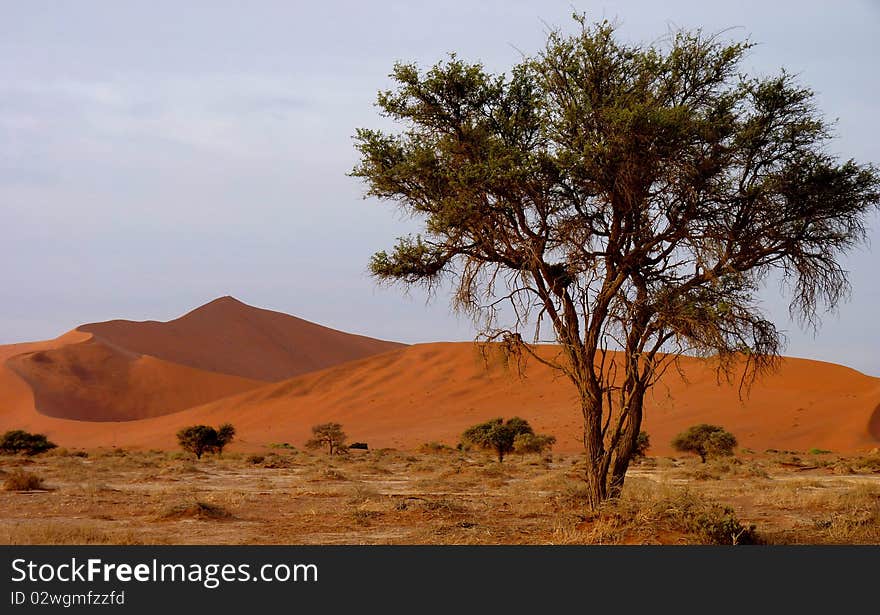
column 134, row 385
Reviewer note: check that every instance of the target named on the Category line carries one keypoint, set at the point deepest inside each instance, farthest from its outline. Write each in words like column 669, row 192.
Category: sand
column 230, row 337
column 400, row 398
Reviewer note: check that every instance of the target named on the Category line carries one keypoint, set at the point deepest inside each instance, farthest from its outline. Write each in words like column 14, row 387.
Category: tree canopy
column 497, row 435
column 201, row 439
column 706, row 441
column 623, row 197
column 329, row 435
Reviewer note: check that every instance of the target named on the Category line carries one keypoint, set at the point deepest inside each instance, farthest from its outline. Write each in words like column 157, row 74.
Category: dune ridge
column 231, row 337
column 99, row 386
column 123, row 370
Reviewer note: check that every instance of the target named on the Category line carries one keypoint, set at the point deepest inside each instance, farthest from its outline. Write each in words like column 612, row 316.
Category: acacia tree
column 634, row 198
column 497, row 435
column 329, row 435
column 705, row 440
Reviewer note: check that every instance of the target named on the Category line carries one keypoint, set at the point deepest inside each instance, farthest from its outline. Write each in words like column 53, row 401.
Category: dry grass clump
column 834, row 515
column 63, row 533
column 647, row 512
column 19, row 480
column 201, row 511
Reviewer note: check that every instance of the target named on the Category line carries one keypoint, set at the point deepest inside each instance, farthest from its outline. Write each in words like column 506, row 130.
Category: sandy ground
column 393, row 497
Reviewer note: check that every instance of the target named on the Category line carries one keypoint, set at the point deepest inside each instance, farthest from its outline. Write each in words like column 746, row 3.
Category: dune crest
column 135, row 384
column 123, row 370
column 231, row 337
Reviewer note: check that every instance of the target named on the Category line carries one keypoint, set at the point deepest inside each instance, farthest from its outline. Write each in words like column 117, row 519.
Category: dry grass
column 435, row 496
column 19, row 480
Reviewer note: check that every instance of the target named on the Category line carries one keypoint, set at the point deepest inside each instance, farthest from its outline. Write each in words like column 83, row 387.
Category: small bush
column 643, row 443
column 19, row 480
column 197, row 510
column 282, row 445
column 718, row 525
column 818, row 451
column 18, row 441
column 435, row 447
column 255, row 459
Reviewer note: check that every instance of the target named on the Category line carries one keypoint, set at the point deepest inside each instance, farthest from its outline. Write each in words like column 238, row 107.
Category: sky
column 156, row 155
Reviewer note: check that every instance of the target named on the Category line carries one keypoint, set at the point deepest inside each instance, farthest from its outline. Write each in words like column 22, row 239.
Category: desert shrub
column 201, row 439
column 705, row 440
column 818, row 451
column 643, row 443
column 435, row 447
column 282, row 445
column 19, row 441
column 255, row 459
column 196, row 510
column 329, row 436
column 19, row 480
column 526, row 443
column 496, row 435
column 718, row 525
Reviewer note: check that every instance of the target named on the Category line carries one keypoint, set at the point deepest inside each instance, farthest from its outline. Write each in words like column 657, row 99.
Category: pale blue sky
column 155, row 155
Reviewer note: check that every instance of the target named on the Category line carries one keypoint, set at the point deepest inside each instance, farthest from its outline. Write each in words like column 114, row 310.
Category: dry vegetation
column 437, row 495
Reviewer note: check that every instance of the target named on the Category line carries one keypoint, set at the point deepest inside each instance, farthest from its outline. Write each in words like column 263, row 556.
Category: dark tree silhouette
column 201, row 439
column 634, row 198
column 19, row 441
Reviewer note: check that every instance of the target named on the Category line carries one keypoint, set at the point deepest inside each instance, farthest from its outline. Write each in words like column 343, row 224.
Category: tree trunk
column 596, row 471
column 606, row 469
column 626, row 445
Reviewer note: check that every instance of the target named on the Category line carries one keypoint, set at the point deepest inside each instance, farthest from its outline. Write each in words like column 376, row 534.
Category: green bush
column 719, row 526
column 18, row 441
column 526, row 443
column 706, row 441
column 643, row 443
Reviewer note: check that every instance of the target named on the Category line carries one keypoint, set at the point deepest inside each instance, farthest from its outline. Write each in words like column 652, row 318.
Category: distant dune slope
column 124, row 371
column 434, row 391
column 230, row 337
column 412, row 395
column 92, row 381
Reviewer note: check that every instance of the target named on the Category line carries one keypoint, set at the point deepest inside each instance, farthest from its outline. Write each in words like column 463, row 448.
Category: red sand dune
column 432, row 392
column 123, row 370
column 230, row 337
column 93, row 381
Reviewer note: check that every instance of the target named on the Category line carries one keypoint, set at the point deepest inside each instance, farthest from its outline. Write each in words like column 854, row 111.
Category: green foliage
column 525, row 443
column 643, row 443
column 201, row 439
column 818, row 451
column 18, row 441
column 706, row 441
column 618, row 192
column 329, row 435
column 496, row 435
column 719, row 526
